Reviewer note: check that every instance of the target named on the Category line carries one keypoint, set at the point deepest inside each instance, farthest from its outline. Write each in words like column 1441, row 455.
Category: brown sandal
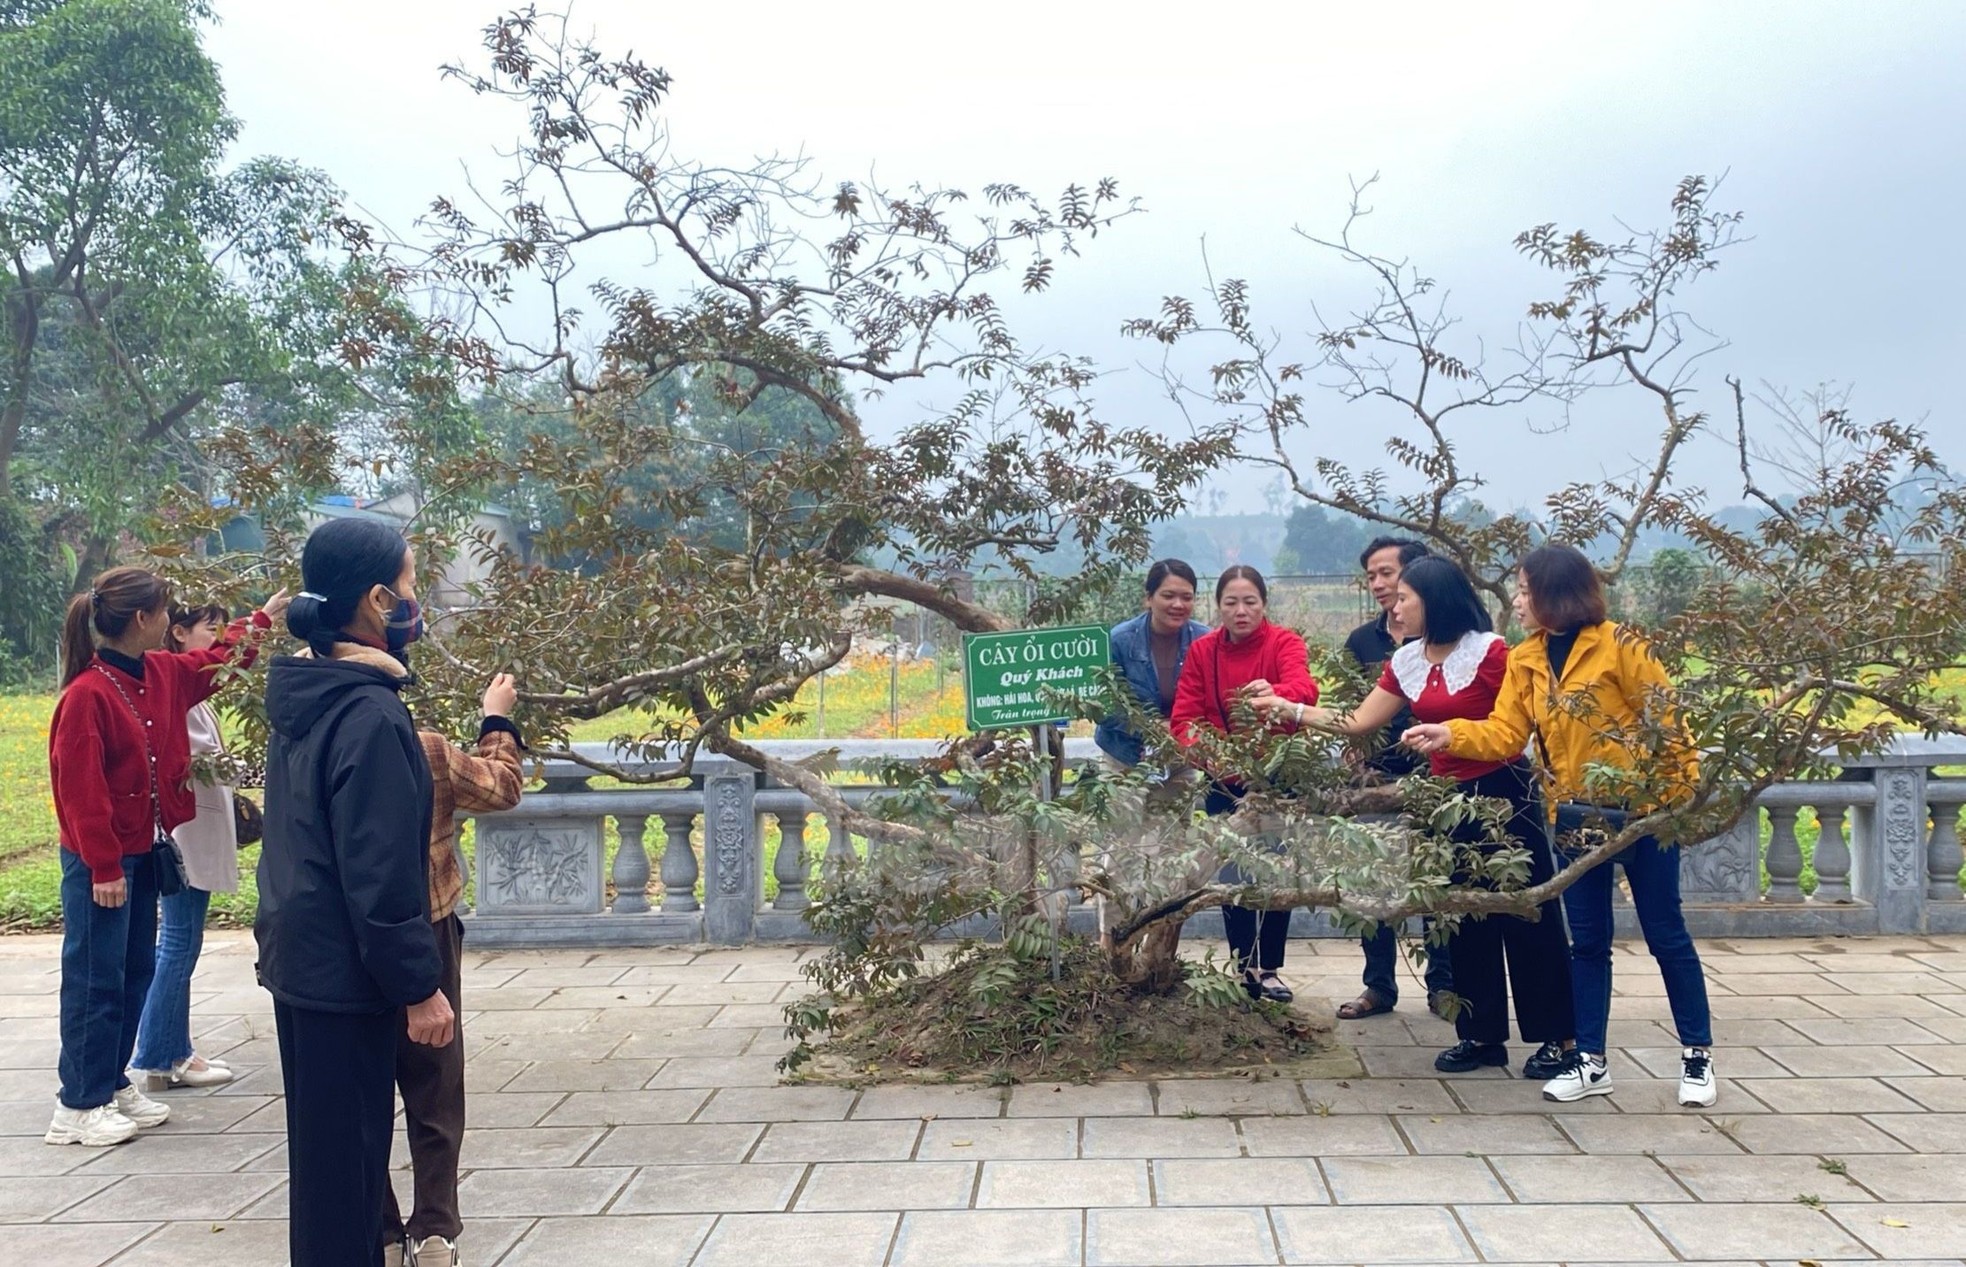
column 1366, row 1004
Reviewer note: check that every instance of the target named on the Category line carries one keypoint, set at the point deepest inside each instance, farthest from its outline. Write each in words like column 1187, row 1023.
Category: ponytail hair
column 105, row 610
column 343, row 560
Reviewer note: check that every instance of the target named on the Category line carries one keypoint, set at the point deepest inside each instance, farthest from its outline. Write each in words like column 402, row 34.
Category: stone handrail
column 541, row 881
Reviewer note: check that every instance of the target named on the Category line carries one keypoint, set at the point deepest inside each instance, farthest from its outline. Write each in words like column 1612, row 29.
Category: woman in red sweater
column 119, row 755
column 1247, row 669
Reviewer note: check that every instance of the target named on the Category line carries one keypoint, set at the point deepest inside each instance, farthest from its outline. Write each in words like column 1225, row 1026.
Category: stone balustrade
column 1887, row 855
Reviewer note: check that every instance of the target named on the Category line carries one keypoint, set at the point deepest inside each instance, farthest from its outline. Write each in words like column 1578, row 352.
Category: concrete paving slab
column 627, row 1240
column 1370, row 1234
column 1410, row 1180
column 1618, row 1178
column 1160, row 1137
column 1529, row 1233
column 990, row 1238
column 758, row 1187
column 1730, row 1231
column 1102, row 1099
column 890, row 1185
column 1233, row 1181
column 1199, row 1236
column 843, row 1240
column 1063, row 1184
column 989, row 1140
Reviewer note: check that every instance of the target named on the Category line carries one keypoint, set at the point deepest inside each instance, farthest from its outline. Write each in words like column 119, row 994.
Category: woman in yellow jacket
column 1583, row 689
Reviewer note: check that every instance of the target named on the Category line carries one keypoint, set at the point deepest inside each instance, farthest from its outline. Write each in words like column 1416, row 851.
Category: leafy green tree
column 112, row 123
column 32, row 590
column 1316, row 540
column 1673, row 578
column 155, row 304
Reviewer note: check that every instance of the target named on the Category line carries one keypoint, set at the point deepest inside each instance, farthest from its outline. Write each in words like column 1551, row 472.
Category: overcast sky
column 1839, row 127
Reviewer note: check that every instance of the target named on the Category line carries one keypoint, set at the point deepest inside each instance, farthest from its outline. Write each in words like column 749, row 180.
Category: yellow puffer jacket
column 1591, row 716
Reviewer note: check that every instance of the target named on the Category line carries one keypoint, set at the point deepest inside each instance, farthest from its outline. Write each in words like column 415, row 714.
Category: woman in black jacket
column 345, row 944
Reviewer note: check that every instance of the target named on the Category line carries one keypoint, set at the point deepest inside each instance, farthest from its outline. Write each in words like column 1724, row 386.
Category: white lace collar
column 1410, row 665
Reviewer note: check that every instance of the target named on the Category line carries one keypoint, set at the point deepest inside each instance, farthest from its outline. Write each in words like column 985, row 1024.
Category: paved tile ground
column 623, row 1110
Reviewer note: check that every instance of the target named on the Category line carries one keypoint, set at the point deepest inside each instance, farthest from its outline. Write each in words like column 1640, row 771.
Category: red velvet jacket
column 1216, row 667
column 96, row 750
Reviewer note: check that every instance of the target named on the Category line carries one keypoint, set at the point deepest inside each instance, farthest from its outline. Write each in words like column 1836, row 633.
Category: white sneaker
column 141, row 1109
column 431, row 1251
column 1582, row 1076
column 1697, row 1088
column 97, row 1128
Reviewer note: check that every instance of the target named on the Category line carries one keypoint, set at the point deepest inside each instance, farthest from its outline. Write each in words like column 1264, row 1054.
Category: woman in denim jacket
column 1148, row 650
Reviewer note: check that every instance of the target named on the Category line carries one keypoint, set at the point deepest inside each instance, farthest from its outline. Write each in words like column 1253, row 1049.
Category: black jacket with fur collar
column 344, row 924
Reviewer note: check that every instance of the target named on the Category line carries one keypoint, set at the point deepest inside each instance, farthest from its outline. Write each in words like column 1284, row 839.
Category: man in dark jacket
column 1372, row 644
column 345, row 941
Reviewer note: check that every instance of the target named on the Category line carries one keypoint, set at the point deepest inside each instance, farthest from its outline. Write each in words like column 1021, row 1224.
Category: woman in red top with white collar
column 1266, row 667
column 1454, row 669
column 119, row 757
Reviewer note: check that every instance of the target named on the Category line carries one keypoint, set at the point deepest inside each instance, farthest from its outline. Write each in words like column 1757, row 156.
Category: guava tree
column 701, row 451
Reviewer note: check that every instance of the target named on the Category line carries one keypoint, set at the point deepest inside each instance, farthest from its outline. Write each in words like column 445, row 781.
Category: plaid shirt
column 469, row 783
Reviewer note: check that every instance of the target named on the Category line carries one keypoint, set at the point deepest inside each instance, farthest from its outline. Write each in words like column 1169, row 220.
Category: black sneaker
column 1547, row 1063
column 1466, row 1056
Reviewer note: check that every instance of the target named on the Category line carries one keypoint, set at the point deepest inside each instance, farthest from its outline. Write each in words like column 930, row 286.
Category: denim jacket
column 1134, row 656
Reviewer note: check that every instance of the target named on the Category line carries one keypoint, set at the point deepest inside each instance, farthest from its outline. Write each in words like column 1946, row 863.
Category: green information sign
column 1006, row 674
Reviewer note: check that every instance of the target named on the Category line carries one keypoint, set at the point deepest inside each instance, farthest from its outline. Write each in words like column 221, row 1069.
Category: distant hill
column 1209, row 543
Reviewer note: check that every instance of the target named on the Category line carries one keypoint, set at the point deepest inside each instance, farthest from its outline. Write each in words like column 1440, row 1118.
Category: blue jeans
column 107, row 956
column 164, row 1036
column 1653, row 870
column 1382, row 960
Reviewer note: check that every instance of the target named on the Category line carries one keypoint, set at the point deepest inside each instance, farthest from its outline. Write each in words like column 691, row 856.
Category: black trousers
column 1536, row 955
column 432, row 1082
column 1256, row 938
column 339, row 1073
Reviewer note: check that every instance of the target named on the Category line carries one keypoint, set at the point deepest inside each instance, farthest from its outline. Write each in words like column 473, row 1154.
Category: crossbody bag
column 1576, row 817
column 167, row 860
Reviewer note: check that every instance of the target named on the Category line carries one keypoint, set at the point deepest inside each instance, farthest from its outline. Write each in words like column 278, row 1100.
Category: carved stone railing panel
column 539, row 866
column 1724, row 869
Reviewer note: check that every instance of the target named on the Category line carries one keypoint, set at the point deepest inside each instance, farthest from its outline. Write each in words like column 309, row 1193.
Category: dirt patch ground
column 989, row 1020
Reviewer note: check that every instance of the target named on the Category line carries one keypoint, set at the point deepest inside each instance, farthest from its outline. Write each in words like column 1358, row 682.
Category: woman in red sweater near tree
column 119, row 754
column 1250, row 667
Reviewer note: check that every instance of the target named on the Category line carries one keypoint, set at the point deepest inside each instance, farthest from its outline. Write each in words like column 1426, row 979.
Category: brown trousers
column 431, row 1080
